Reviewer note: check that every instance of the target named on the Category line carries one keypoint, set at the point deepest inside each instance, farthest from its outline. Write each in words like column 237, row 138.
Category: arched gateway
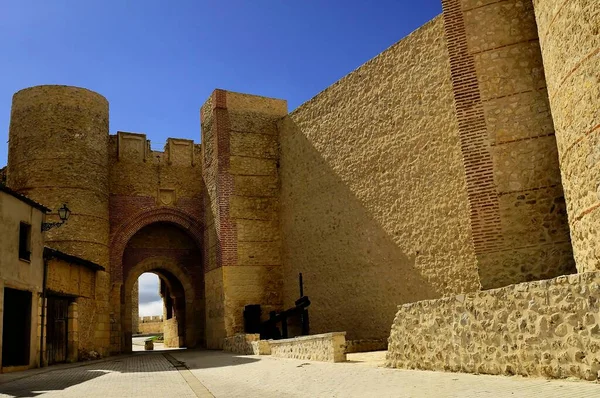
column 167, row 242
column 190, row 213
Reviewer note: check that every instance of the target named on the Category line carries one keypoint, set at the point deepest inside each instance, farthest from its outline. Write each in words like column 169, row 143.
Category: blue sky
column 157, row 61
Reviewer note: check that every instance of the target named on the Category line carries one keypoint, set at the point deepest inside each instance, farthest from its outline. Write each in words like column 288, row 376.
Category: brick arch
column 133, row 224
column 159, row 265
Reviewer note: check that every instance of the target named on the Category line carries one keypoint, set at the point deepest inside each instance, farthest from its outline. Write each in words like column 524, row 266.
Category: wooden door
column 56, row 327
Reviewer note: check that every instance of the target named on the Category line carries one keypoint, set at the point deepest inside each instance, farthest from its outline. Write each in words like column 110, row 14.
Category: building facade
column 460, row 159
column 41, row 290
column 21, row 280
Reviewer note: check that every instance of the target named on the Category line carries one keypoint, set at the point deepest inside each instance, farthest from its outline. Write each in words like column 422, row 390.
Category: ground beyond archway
column 149, row 311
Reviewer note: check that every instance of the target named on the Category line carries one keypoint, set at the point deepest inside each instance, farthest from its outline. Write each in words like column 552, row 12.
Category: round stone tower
column 570, row 45
column 58, row 153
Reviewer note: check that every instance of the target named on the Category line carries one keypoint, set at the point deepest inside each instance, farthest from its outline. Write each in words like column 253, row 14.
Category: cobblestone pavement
column 152, row 375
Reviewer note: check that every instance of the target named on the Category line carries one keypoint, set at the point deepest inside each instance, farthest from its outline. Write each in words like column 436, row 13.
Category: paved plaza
column 191, row 373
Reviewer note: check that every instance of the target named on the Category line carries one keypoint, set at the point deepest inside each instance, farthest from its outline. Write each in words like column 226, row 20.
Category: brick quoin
column 145, row 217
column 477, row 158
column 225, row 226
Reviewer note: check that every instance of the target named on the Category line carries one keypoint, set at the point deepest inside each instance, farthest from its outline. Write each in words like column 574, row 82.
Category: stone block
column 263, row 186
column 257, row 230
column 327, row 347
column 148, row 345
column 253, row 208
column 259, row 253
column 240, row 165
column 261, row 347
column 241, row 344
column 253, row 145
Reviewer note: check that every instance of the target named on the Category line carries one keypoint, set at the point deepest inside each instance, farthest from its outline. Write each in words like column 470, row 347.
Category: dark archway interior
column 168, row 251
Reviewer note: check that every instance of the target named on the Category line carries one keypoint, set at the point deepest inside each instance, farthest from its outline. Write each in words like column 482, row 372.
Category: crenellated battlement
column 150, row 319
column 136, row 148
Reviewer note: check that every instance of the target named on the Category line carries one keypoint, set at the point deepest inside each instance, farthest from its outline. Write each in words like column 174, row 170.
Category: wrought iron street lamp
column 63, row 213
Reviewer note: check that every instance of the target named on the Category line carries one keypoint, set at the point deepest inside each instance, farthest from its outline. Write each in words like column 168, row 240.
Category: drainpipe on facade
column 43, row 311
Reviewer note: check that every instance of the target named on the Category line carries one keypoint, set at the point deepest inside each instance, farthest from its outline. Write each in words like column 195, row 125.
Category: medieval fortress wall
column 374, row 195
column 548, row 328
column 516, row 199
column 241, row 235
column 436, row 169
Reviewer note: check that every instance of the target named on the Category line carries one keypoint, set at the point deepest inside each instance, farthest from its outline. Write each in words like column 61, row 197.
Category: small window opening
column 25, row 241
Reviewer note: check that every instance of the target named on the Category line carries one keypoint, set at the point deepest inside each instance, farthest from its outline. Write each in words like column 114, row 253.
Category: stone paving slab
column 190, row 373
column 228, row 375
column 144, row 375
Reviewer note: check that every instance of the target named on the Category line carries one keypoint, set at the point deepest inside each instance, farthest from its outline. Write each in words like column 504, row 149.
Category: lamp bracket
column 49, row 225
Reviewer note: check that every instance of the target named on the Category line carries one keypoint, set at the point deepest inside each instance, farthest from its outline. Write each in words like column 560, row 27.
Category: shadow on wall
column 61, row 379
column 354, row 272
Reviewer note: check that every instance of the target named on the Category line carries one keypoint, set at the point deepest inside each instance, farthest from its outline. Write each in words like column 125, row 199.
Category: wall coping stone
column 321, row 336
column 326, row 347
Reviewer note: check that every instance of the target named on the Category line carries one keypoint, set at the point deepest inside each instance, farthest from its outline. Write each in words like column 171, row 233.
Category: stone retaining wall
column 261, row 347
column 241, row 344
column 545, row 328
column 327, row 347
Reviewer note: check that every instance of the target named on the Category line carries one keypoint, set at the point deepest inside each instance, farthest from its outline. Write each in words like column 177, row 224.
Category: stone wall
column 154, row 187
column 171, row 333
column 373, row 191
column 78, row 281
column 571, row 51
column 240, row 343
column 70, row 279
column 546, row 328
column 150, row 324
column 150, row 327
column 241, row 236
column 135, row 305
column 327, row 347
column 507, row 139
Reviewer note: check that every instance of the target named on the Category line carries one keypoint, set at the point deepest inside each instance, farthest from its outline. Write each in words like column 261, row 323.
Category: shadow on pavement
column 59, row 378
column 39, row 384
column 195, row 359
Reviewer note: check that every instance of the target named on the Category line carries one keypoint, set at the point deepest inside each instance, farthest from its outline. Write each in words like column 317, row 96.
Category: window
column 25, row 241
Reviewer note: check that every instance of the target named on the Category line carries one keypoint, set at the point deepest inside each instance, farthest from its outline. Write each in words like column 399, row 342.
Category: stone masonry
column 460, row 159
column 547, row 328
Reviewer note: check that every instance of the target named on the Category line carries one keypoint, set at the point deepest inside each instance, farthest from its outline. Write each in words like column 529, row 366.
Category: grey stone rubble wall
column 241, row 343
column 261, row 347
column 545, row 328
column 366, row 345
column 327, row 347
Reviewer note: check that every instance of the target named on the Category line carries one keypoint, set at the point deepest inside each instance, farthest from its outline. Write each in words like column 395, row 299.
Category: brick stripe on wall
column 475, row 146
column 225, row 226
